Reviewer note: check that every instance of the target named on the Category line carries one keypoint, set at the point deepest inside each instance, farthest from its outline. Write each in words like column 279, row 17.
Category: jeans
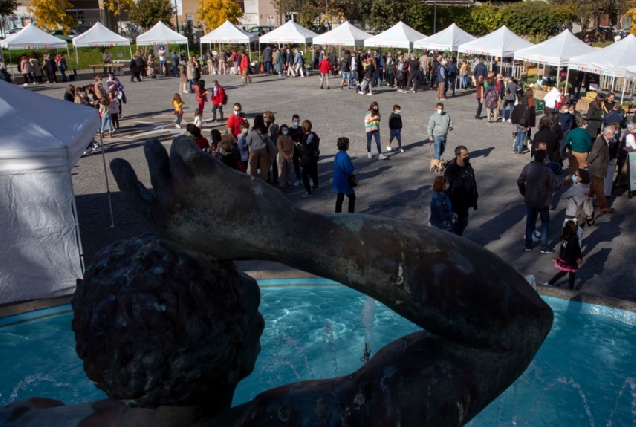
column 352, row 202
column 106, row 119
column 562, row 145
column 464, row 81
column 479, row 107
column 531, row 220
column 450, row 83
column 520, row 138
column 63, row 73
column 217, row 107
column 163, row 66
column 506, row 112
column 297, row 164
column 460, row 225
column 397, row 134
column 440, row 145
column 268, row 66
column 191, row 82
column 175, row 69
column 346, row 77
column 310, row 171
column 375, row 134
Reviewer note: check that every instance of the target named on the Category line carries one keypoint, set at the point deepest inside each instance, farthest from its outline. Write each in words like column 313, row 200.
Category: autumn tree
column 213, row 13
column 118, row 6
column 146, row 13
column 51, row 14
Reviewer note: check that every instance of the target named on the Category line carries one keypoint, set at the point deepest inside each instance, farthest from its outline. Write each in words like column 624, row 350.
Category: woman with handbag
column 442, row 214
column 343, row 177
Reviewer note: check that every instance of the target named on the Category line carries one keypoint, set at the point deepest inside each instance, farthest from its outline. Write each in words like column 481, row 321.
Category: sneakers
column 527, row 249
column 536, row 234
column 370, row 94
column 547, row 251
column 381, row 156
column 297, row 183
column 369, row 155
column 88, row 151
column 388, row 148
column 304, row 196
column 400, row 150
column 311, row 182
column 361, row 93
column 546, row 284
column 178, row 126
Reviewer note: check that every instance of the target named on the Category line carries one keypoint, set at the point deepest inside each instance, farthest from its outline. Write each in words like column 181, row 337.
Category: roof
column 448, row 39
column 160, row 34
column 31, row 37
column 228, row 33
column 398, row 36
column 501, row 43
column 610, row 61
column 345, row 34
column 100, row 36
column 290, row 32
column 556, row 51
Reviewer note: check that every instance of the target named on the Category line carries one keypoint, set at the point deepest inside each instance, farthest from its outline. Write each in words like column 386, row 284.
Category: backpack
column 492, row 98
column 224, row 99
column 585, row 212
column 316, row 142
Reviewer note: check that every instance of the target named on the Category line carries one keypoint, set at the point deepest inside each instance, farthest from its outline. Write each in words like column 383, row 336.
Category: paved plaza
column 399, row 187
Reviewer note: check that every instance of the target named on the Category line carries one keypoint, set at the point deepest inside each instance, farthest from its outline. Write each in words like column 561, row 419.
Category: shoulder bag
column 351, row 178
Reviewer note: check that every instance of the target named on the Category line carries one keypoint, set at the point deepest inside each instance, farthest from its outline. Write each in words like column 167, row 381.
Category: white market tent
column 99, row 36
column 556, row 51
column 31, row 37
column 502, row 43
column 290, row 32
column 161, row 35
column 40, row 252
column 343, row 35
column 448, row 39
column 398, row 36
column 228, row 33
column 630, row 72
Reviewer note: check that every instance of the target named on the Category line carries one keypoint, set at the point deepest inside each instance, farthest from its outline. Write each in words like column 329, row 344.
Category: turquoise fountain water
column 583, row 375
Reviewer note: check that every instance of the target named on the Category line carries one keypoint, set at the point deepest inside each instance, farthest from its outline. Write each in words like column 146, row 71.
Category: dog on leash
column 438, row 165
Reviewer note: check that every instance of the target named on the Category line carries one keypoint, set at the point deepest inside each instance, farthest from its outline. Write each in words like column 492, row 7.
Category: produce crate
column 539, row 105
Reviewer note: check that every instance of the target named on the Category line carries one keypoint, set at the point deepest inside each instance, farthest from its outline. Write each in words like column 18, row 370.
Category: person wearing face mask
column 342, row 176
column 462, row 188
column 285, row 146
column 566, row 123
column 439, row 125
column 235, row 121
column 296, row 133
column 228, row 155
column 442, row 214
column 218, row 98
column 597, row 162
column 395, row 128
column 536, row 184
column 243, row 148
column 576, row 195
column 372, row 129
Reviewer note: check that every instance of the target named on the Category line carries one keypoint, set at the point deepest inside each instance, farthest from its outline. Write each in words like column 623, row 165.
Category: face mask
column 237, row 112
column 245, row 131
column 399, row 111
column 296, row 123
column 265, row 119
column 467, row 158
column 575, row 178
column 221, row 150
column 440, row 111
column 566, row 111
column 285, row 132
column 447, row 186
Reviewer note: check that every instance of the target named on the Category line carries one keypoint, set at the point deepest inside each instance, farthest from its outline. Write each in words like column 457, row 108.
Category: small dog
column 438, row 166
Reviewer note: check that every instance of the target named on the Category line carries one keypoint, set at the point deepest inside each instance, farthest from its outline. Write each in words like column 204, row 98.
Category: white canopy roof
column 556, row 51
column 31, row 37
column 343, row 35
column 400, row 35
column 448, row 39
column 228, row 33
column 160, row 34
column 501, row 43
column 610, row 61
column 100, row 36
column 290, row 32
column 34, row 139
column 630, row 72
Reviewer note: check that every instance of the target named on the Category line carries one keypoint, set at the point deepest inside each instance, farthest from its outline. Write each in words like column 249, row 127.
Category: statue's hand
column 200, row 203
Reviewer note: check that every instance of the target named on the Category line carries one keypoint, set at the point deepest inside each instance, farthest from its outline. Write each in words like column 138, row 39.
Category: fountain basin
column 581, row 376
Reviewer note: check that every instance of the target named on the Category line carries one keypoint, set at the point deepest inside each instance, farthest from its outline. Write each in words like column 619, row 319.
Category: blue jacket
column 441, row 211
column 441, row 74
column 342, row 167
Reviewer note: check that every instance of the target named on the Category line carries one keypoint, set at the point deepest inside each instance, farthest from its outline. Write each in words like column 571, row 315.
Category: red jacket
column 324, row 66
column 218, row 98
column 234, row 122
column 200, row 94
column 245, row 63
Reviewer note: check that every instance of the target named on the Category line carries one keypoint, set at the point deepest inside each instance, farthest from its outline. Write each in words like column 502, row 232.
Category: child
column 242, row 144
column 395, row 128
column 285, row 146
column 113, row 105
column 177, row 103
column 570, row 255
column 197, row 118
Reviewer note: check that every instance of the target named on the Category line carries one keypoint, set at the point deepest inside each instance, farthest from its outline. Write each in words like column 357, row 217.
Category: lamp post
column 435, row 17
column 598, row 27
column 176, row 16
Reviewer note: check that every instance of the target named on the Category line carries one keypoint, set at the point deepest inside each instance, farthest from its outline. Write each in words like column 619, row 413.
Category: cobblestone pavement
column 399, row 187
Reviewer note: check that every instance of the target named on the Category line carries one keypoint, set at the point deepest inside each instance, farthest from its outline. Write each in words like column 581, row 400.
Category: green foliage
column 7, row 7
column 590, row 9
column 147, row 13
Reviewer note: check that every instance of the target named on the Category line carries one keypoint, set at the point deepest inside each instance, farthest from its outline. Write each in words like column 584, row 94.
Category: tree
column 7, row 7
column 118, row 6
column 51, row 14
column 147, row 13
column 213, row 13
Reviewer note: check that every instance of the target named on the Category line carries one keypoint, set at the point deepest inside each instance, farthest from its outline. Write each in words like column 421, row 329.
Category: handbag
column 351, row 178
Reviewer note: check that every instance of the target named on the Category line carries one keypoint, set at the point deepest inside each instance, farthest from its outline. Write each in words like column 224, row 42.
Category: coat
column 598, row 158
column 441, row 211
column 267, row 54
column 35, row 64
column 594, row 117
column 576, row 195
column 463, row 187
column 551, row 142
column 217, row 99
column 342, row 167
column 537, row 183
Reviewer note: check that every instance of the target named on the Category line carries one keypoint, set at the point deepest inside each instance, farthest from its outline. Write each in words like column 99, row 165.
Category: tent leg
column 76, row 57
column 130, row 48
column 110, row 203
column 188, row 47
column 623, row 92
column 77, row 228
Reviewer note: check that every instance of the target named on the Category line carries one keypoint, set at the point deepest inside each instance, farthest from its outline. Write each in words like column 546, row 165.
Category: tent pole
column 76, row 57
column 110, row 203
column 77, row 228
column 623, row 92
column 130, row 48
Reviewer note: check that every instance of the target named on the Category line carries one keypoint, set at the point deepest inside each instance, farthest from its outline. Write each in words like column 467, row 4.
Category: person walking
column 200, row 94
column 372, row 128
column 61, row 65
column 279, row 62
column 462, row 188
column 342, row 176
column 133, row 69
column 520, row 118
column 345, row 69
column 309, row 152
column 289, row 63
column 324, row 67
column 442, row 214
column 570, row 256
column 267, row 59
column 177, row 103
column 218, row 99
column 441, row 79
column 509, row 99
column 104, row 112
column 285, row 146
column 479, row 84
column 597, row 162
column 439, row 124
column 257, row 141
column 578, row 143
column 451, row 73
column 299, row 62
column 491, row 101
column 368, row 77
column 536, row 184
column 395, row 128
column 414, row 66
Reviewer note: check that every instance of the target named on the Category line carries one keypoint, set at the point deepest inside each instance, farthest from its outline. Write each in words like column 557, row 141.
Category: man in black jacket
column 462, row 188
column 536, row 184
